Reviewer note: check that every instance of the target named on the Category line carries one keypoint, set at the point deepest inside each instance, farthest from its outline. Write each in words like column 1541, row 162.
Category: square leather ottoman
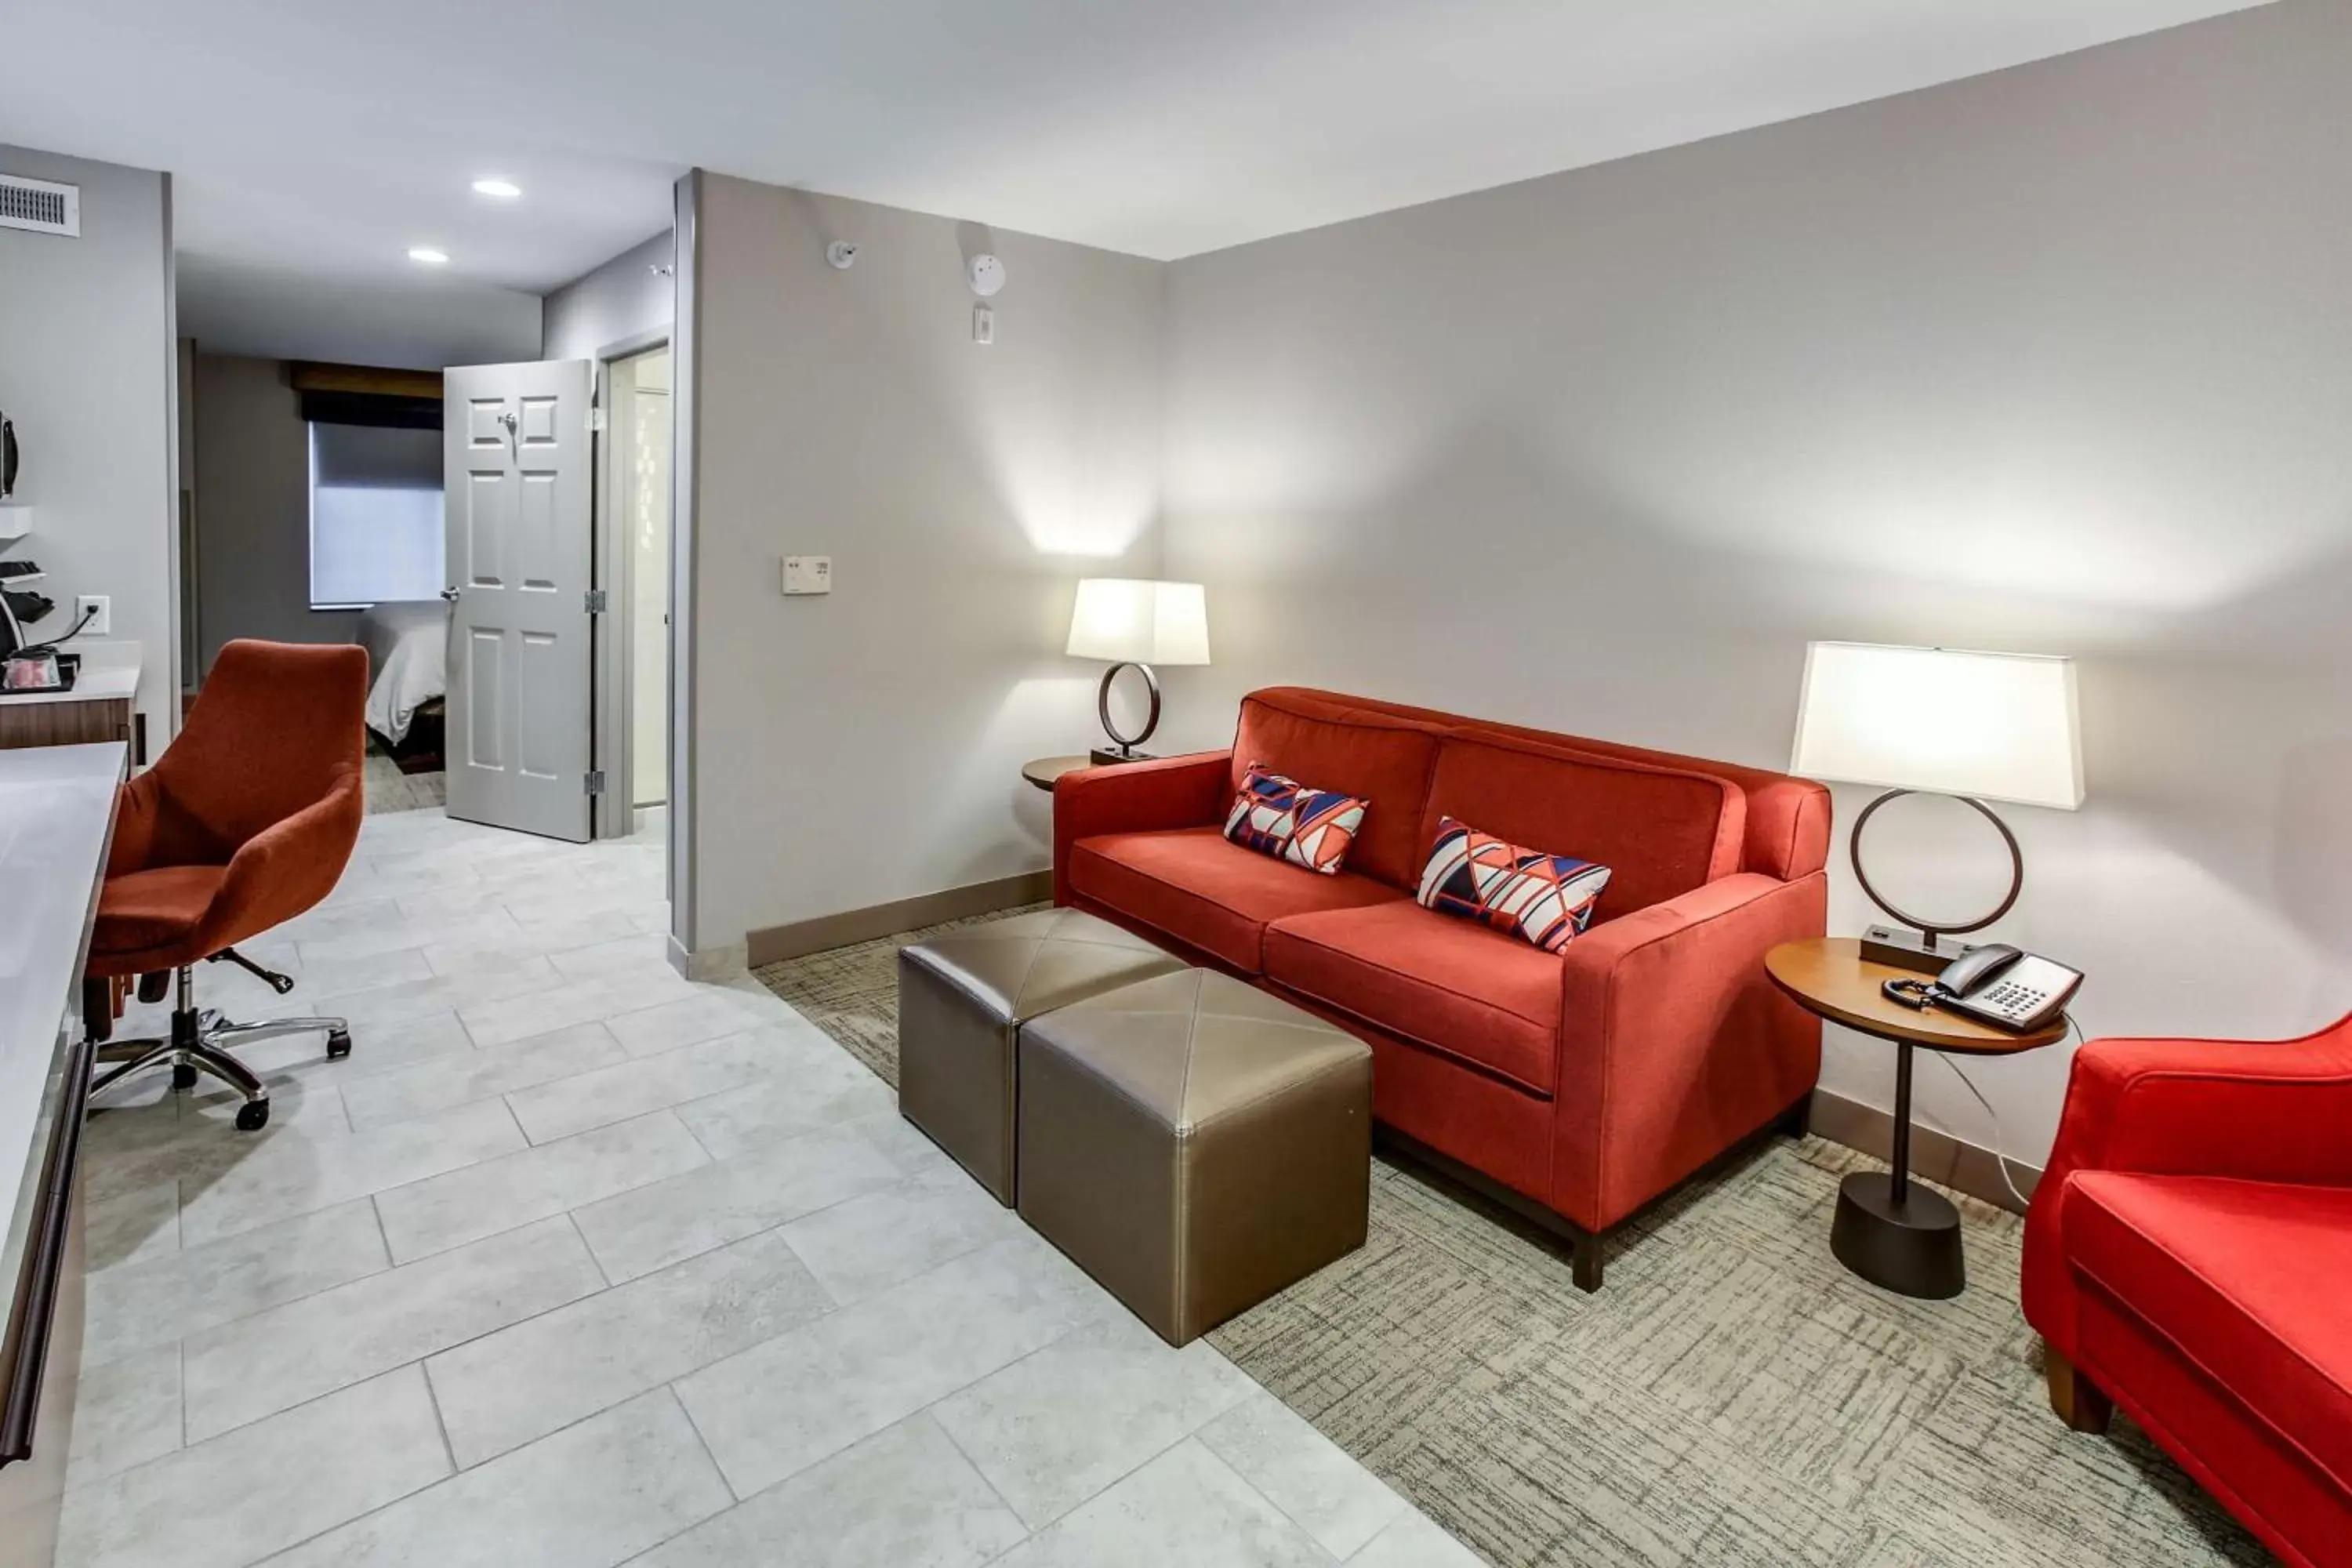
column 1194, row 1144
column 962, row 998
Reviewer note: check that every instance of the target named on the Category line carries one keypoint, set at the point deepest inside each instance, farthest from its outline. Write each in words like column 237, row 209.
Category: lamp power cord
column 1999, row 1141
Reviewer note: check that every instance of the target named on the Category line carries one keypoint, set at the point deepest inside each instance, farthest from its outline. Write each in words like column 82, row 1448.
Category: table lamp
column 1976, row 726
column 1137, row 622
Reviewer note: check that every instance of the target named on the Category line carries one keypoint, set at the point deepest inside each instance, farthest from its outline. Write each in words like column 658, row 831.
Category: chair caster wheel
column 339, row 1045
column 253, row 1116
column 183, row 1076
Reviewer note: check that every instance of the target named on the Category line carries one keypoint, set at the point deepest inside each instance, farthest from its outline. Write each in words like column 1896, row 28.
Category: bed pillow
column 1543, row 898
column 1286, row 819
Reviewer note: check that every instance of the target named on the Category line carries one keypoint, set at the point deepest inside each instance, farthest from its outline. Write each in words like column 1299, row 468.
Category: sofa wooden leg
column 1797, row 1120
column 1584, row 1261
column 2075, row 1398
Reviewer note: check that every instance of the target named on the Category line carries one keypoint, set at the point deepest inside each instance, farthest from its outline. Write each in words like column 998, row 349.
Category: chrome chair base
column 199, row 1044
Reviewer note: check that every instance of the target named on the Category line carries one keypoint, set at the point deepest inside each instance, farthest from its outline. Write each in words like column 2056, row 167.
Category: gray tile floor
column 576, row 1263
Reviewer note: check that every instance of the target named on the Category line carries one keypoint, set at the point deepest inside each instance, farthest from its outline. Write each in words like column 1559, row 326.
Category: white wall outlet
column 984, row 324
column 808, row 575
column 100, row 610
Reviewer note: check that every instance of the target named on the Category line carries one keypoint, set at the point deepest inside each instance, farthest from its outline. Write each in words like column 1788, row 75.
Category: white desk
column 57, row 816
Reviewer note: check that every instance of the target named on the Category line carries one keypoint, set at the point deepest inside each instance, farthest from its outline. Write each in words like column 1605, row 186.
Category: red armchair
column 2189, row 1257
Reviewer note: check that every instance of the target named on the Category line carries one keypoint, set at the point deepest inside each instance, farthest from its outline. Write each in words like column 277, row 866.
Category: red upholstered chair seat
column 138, row 911
column 2224, row 1269
column 1476, row 993
column 1198, row 887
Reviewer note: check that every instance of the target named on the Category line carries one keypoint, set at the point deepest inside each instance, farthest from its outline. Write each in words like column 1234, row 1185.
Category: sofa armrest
column 1136, row 797
column 1674, row 1044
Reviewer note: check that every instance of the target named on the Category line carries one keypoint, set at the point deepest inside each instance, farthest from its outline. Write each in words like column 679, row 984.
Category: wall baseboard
column 710, row 965
column 776, row 943
column 1939, row 1156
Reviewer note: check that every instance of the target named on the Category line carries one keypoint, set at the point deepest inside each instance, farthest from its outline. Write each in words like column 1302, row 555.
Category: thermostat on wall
column 808, row 574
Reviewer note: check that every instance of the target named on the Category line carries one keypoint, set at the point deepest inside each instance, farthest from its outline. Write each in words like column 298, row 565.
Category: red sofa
column 1587, row 1082
column 2189, row 1257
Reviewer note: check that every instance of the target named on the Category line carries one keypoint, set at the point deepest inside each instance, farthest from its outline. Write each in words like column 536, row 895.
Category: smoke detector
column 40, row 205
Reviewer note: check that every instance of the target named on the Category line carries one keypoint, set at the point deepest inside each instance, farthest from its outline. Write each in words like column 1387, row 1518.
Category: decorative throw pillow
column 1545, row 899
column 1284, row 818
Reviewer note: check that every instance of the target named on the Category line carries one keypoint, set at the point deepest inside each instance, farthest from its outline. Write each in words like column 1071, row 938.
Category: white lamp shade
column 1137, row 620
column 1996, row 726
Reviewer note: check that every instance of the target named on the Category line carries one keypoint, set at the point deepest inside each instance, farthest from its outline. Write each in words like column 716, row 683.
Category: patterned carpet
column 1731, row 1397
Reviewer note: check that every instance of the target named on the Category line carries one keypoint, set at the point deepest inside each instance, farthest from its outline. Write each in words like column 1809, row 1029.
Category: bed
column 407, row 644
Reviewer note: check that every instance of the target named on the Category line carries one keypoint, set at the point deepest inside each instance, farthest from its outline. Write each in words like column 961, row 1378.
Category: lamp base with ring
column 1123, row 748
column 1921, row 947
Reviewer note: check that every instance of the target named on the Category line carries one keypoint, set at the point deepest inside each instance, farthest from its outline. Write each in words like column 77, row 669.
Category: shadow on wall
column 1497, row 583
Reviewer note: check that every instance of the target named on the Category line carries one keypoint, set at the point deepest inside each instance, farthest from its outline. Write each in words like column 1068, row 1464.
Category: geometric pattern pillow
column 1284, row 818
column 1545, row 899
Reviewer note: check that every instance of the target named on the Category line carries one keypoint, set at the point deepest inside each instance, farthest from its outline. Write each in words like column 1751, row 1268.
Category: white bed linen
column 407, row 644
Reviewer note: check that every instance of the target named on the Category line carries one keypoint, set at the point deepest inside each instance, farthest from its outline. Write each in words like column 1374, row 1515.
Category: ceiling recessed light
column 505, row 190
column 428, row 256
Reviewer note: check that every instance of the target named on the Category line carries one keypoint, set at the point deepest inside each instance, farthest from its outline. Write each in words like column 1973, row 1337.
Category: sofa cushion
column 1196, row 886
column 1787, row 819
column 1661, row 832
column 2245, row 1277
column 1462, row 989
column 1538, row 896
column 1383, row 760
column 1309, row 827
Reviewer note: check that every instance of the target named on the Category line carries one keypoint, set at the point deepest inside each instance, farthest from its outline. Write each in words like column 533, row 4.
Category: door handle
column 450, row 595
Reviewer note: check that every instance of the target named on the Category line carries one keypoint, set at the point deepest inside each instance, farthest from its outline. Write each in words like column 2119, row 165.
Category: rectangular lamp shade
column 1995, row 726
column 1139, row 621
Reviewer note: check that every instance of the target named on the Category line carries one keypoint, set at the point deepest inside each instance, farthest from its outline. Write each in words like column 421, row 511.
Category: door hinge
column 596, row 604
column 596, row 421
column 592, row 782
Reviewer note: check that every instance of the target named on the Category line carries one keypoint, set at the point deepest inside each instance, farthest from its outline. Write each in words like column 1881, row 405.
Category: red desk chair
column 247, row 820
column 2188, row 1257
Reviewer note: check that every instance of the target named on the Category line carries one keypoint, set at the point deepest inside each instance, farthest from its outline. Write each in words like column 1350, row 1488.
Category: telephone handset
column 1996, row 985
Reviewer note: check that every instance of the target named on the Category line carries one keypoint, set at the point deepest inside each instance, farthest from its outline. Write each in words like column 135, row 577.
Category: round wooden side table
column 1046, row 770
column 1890, row 1230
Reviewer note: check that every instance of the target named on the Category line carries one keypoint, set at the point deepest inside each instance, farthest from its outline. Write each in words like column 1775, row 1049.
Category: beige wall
column 88, row 373
column 2056, row 360
column 622, row 301
column 253, row 509
column 855, row 748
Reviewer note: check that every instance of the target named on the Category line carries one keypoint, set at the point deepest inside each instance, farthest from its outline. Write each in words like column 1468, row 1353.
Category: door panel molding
column 521, row 538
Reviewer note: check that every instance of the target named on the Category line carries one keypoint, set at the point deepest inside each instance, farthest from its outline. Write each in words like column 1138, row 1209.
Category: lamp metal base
column 1911, row 1247
column 1911, row 950
column 1103, row 758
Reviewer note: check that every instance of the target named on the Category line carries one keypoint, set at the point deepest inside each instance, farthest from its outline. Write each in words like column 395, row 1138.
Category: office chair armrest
column 287, row 867
column 137, row 806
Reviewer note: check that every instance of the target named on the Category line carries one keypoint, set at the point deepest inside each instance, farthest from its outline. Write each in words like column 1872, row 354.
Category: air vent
column 38, row 206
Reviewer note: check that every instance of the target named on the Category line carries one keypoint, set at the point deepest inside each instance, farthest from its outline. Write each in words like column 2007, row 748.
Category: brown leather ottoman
column 962, row 998
column 1194, row 1144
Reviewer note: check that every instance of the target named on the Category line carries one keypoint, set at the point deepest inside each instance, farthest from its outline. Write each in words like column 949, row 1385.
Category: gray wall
column 2056, row 360
column 88, row 373
column 622, row 300
column 253, row 509
column 854, row 749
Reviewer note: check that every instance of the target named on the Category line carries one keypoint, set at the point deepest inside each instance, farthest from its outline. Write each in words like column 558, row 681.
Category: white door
column 516, row 483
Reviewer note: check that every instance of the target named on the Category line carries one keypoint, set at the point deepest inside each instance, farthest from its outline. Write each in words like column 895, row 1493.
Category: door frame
column 613, row 701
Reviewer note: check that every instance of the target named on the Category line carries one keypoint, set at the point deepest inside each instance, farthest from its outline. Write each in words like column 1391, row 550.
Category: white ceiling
column 326, row 139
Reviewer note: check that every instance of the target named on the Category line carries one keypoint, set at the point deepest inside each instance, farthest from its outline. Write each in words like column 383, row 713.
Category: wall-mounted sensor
column 987, row 274
column 841, row 256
